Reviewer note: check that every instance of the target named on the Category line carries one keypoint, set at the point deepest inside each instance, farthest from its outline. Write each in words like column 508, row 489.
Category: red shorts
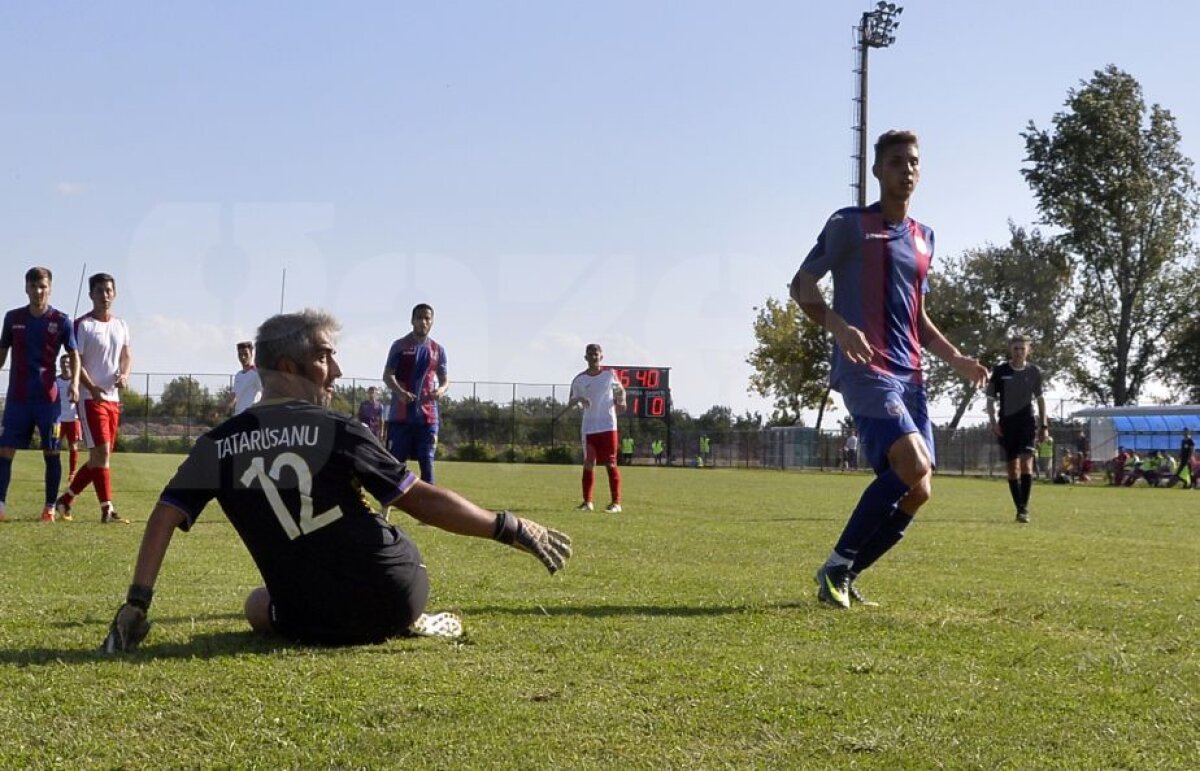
column 100, row 422
column 600, row 448
column 69, row 431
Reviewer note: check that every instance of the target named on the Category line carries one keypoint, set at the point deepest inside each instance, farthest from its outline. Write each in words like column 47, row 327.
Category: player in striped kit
column 106, row 360
column 880, row 260
column 417, row 376
column 35, row 333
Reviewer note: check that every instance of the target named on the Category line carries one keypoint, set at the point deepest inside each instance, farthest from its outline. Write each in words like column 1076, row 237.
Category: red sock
column 79, row 482
column 74, row 455
column 589, row 481
column 614, row 482
column 103, row 478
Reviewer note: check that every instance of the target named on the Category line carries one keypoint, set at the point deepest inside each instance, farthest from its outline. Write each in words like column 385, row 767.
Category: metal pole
column 862, row 112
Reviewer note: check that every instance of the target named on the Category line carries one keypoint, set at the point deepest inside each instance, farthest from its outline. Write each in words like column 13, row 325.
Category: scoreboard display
column 647, row 390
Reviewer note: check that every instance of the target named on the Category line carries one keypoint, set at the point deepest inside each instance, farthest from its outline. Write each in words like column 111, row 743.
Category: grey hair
column 290, row 336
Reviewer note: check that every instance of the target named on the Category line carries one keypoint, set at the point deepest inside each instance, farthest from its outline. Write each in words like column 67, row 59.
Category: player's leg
column 397, row 440
column 883, row 423
column 425, row 450
column 47, row 424
column 588, row 480
column 606, row 453
column 17, row 431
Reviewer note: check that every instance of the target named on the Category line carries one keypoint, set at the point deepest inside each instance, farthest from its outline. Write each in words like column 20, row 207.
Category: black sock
column 1014, row 489
column 1026, row 485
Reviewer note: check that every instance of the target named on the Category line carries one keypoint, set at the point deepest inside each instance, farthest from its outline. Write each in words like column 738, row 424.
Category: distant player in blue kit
column 35, row 333
column 416, row 374
column 880, row 260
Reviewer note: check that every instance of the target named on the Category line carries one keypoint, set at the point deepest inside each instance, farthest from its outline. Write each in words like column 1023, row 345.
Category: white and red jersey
column 600, row 390
column 100, row 344
column 66, row 409
column 247, row 389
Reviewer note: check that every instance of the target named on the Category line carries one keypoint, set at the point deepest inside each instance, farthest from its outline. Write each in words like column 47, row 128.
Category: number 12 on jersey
column 302, row 522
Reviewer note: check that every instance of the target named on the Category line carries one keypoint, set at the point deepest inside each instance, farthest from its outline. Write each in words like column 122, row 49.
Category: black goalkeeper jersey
column 292, row 478
column 1015, row 389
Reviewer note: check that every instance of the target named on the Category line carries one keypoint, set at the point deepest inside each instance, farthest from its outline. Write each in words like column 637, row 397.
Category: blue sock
column 53, row 477
column 873, row 509
column 426, row 464
column 5, row 477
column 887, row 536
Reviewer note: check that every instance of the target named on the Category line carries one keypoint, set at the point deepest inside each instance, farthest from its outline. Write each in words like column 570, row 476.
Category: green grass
column 684, row 633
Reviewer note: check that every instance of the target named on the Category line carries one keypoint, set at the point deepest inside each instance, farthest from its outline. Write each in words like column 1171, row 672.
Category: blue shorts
column 20, row 418
column 412, row 441
column 885, row 409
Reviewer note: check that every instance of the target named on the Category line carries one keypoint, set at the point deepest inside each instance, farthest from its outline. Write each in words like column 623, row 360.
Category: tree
column 791, row 362
column 984, row 296
column 1183, row 361
column 1111, row 176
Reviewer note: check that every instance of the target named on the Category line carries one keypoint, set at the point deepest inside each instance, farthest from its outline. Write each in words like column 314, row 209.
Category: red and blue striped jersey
column 419, row 367
column 880, row 275
column 34, row 343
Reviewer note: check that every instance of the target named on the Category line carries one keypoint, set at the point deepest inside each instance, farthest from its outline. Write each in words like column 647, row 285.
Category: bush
column 559, row 454
column 473, row 451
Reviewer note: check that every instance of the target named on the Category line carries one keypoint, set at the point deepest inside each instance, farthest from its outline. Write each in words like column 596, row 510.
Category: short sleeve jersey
column 33, row 343
column 66, row 409
column 1015, row 390
column 247, row 388
column 880, row 276
column 1187, row 448
column 370, row 414
column 601, row 415
column 100, row 346
column 420, row 366
column 292, row 478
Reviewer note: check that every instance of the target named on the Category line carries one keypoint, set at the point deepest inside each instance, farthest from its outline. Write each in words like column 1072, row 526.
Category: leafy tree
column 1183, row 361
column 791, row 362
column 1111, row 175
column 984, row 296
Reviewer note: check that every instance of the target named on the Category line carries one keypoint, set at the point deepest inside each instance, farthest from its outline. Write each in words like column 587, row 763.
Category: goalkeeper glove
column 550, row 546
column 129, row 627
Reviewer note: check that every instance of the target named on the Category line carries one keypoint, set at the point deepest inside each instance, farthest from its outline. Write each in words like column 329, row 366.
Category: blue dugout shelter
column 1144, row 429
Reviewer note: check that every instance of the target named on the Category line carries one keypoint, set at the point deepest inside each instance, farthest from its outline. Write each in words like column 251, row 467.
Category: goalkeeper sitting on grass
column 291, row 477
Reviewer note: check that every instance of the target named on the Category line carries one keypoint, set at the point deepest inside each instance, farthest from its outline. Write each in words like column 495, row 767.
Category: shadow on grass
column 157, row 620
column 605, row 611
column 201, row 646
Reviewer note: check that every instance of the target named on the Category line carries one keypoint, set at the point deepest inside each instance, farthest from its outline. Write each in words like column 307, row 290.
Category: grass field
column 684, row 633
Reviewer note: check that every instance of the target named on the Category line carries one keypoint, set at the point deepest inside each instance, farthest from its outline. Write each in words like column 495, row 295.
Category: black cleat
column 833, row 585
column 1023, row 515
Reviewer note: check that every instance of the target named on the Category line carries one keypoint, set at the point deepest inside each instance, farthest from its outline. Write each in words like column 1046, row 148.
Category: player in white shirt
column 247, row 388
column 603, row 398
column 105, row 359
column 69, row 432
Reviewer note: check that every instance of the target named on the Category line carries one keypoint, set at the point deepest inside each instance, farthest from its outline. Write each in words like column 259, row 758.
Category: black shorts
column 1018, row 438
column 361, row 609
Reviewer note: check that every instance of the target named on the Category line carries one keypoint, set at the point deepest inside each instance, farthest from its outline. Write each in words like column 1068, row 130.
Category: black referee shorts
column 1018, row 438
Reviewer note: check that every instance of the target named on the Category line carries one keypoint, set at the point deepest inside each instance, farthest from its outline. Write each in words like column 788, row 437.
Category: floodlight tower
column 876, row 29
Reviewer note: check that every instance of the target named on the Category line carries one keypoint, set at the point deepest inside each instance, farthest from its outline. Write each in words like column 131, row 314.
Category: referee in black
column 1015, row 384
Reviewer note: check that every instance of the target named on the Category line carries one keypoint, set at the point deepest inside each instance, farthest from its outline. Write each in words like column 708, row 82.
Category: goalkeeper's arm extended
column 131, row 624
column 450, row 511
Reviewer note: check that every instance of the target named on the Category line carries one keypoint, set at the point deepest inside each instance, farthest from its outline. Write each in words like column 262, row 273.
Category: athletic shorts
column 373, row 610
column 884, row 410
column 1017, row 437
column 101, row 420
column 21, row 418
column 70, row 431
column 600, row 448
column 412, row 441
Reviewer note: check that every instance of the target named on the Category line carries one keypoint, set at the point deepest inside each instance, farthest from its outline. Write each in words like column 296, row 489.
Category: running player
column 880, row 258
column 35, row 333
column 417, row 376
column 106, row 359
column 291, row 476
column 603, row 398
column 1016, row 384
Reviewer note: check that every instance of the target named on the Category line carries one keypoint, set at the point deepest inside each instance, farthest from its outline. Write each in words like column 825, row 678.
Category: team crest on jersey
column 52, row 327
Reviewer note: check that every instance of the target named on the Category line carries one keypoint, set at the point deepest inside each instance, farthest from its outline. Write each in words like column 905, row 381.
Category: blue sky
column 544, row 173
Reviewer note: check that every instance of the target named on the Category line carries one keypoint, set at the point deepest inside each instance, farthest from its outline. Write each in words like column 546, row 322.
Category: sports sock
column 589, row 481
column 614, row 482
column 1026, row 486
column 73, row 454
column 79, row 483
column 426, row 465
column 887, row 536
column 103, row 479
column 53, row 477
column 1014, row 489
column 884, row 492
column 5, row 477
